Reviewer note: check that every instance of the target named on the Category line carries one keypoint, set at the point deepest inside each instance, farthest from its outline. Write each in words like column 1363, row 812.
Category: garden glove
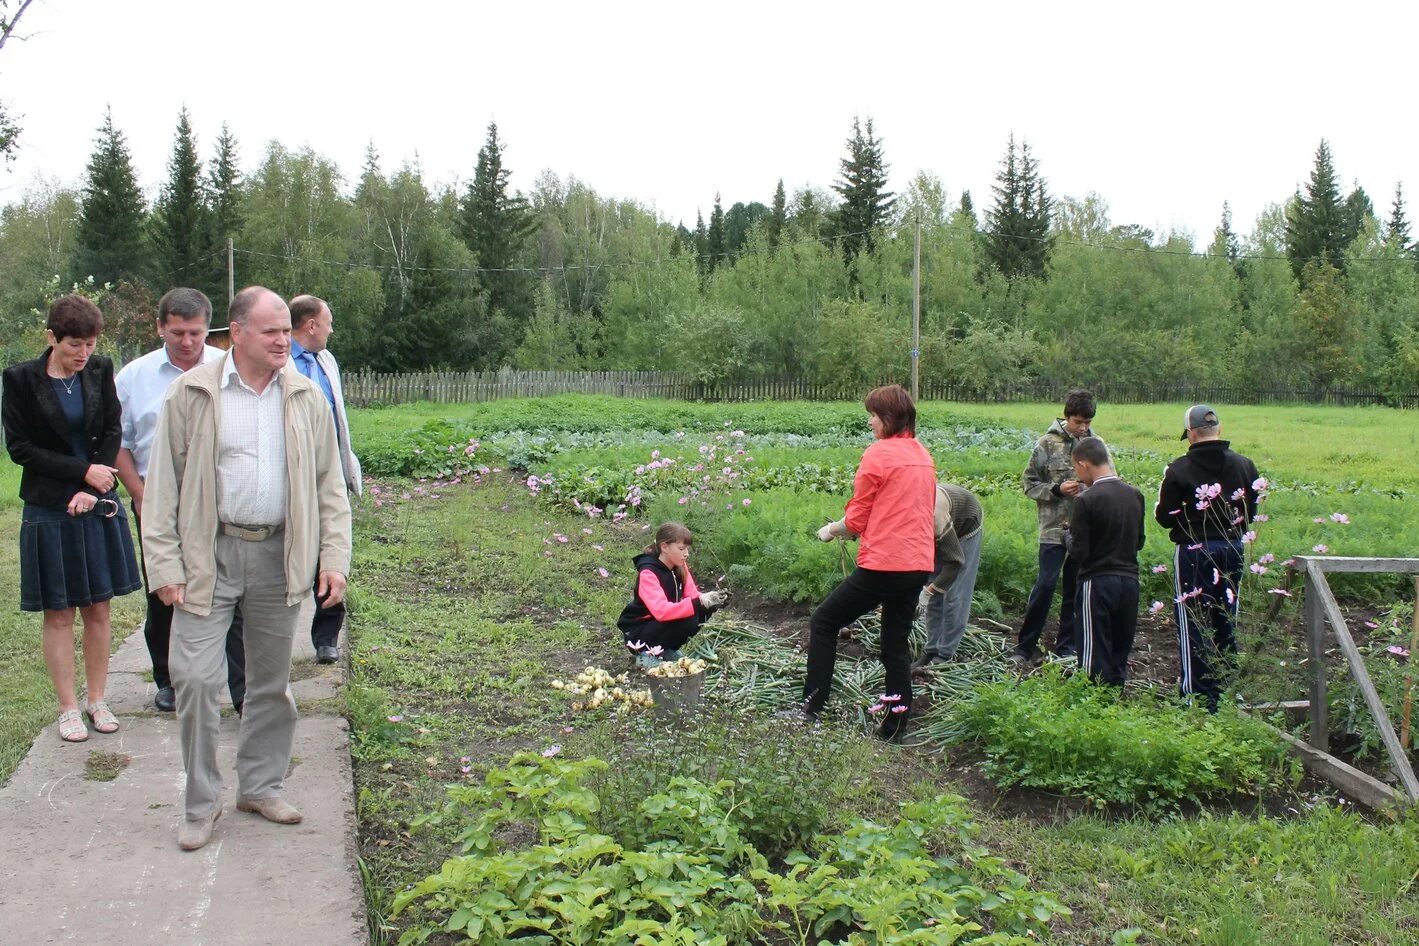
column 713, row 600
column 833, row 530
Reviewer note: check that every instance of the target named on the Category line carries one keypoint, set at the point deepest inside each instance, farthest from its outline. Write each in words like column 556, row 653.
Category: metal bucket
column 674, row 696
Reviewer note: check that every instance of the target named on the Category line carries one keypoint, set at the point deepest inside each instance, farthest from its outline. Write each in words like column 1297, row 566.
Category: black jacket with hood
column 1207, row 463
column 679, row 597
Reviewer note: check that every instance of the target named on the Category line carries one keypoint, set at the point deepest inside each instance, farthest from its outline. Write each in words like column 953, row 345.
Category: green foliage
column 1319, row 226
column 108, row 242
column 495, row 223
column 1018, row 240
column 694, row 876
column 178, row 228
column 862, row 185
column 1068, row 735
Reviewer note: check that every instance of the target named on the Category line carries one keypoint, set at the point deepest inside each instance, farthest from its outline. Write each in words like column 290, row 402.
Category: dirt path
column 91, row 861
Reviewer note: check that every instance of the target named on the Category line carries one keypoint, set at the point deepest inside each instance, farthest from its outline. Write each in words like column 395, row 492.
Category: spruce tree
column 778, row 215
column 702, row 257
column 1018, row 241
column 109, row 243
column 715, row 245
column 495, row 225
column 224, row 216
column 1397, row 229
column 866, row 202
column 1318, row 223
column 965, row 213
column 178, row 226
column 1225, row 243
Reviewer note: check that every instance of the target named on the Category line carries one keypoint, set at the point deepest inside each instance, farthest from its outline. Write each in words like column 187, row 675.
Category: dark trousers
column 1107, row 621
column 858, row 594
column 325, row 626
column 670, row 635
column 1053, row 559
column 157, row 634
column 1205, row 582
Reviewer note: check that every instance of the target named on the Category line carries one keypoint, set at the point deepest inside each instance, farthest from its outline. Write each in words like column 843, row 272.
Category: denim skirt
column 75, row 561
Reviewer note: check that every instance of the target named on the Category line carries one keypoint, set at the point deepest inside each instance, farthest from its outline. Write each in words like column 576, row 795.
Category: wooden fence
column 463, row 387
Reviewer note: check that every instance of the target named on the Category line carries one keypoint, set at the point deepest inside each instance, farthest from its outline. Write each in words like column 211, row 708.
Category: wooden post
column 1409, row 679
column 1398, row 758
column 1315, row 639
column 231, row 273
column 916, row 316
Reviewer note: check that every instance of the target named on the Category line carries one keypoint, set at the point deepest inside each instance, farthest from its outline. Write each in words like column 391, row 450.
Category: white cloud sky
column 1166, row 110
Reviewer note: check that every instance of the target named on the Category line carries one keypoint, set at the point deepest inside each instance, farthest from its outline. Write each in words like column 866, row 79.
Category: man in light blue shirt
column 184, row 316
column 311, row 328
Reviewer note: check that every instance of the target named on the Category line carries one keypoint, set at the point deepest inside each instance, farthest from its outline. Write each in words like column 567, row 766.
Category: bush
column 1065, row 734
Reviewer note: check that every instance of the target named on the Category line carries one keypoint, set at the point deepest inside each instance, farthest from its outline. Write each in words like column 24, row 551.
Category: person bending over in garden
column 1105, row 535
column 666, row 607
column 892, row 514
column 948, row 592
column 1049, row 481
column 1207, row 500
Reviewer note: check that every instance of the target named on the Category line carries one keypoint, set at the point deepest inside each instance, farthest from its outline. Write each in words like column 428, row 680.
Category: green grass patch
column 101, row 766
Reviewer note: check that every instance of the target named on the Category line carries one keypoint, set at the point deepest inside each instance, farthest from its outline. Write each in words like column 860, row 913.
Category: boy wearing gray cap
column 1207, row 501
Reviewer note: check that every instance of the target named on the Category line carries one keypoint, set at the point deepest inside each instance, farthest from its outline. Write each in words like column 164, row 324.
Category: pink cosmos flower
column 899, row 709
column 876, row 707
column 1371, row 625
column 1280, row 591
column 1155, row 607
column 1398, row 651
column 1318, row 519
column 655, row 454
column 890, row 698
column 603, row 573
column 1258, row 569
column 1260, row 484
column 1267, row 559
column 1160, row 569
column 1216, row 577
column 747, row 500
column 1194, row 547
column 551, row 751
column 598, row 547
column 1321, row 548
column 1261, row 517
column 395, row 719
column 1340, row 517
column 1248, row 538
column 683, row 500
column 1231, row 598
column 655, row 651
column 1239, row 494
column 636, row 645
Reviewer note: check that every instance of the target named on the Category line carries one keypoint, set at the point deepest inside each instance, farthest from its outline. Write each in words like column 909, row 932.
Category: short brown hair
column 185, row 303
column 1080, row 403
column 305, row 308
column 73, row 316
column 244, row 303
column 893, row 406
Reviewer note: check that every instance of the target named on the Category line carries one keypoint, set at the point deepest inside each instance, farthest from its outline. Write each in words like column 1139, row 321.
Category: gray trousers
column 250, row 576
column 947, row 614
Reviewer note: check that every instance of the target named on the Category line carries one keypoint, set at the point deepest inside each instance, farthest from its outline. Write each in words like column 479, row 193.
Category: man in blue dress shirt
column 311, row 328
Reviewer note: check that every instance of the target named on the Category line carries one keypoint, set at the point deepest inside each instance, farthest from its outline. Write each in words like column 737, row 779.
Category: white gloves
column 833, row 530
column 713, row 600
column 825, row 534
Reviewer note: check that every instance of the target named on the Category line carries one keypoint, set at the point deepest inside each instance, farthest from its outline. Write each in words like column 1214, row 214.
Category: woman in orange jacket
column 891, row 513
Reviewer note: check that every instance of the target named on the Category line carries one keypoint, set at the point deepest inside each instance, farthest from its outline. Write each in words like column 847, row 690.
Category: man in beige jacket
column 244, row 496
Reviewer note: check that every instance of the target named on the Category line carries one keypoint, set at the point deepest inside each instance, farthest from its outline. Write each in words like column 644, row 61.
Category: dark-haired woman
column 61, row 420
column 892, row 514
column 666, row 607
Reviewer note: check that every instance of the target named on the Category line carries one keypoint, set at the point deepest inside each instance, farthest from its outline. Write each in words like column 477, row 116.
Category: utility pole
column 231, row 274
column 916, row 315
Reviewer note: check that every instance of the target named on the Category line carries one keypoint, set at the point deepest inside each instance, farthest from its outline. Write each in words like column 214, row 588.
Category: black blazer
column 37, row 434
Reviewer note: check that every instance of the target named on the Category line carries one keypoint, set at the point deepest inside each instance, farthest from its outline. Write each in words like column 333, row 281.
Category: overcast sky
column 1165, row 109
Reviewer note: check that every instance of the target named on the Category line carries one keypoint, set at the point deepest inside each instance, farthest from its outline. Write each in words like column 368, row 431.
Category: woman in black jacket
column 61, row 418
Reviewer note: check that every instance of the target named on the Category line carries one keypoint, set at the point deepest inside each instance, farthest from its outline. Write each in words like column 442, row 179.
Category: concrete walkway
column 85, row 861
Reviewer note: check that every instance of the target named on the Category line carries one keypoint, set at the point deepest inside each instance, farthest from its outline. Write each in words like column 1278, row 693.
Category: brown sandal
column 71, row 726
column 102, row 718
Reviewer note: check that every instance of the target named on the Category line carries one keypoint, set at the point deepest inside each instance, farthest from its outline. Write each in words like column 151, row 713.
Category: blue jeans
column 1054, row 559
column 947, row 614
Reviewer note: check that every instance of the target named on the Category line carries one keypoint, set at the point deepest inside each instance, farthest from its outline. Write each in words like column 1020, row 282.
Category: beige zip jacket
column 180, row 494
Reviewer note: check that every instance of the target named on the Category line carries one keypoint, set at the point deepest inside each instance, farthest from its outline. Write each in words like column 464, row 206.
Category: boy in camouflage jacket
column 1049, row 480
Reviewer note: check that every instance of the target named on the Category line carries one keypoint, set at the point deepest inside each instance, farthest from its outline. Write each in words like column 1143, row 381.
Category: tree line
column 817, row 283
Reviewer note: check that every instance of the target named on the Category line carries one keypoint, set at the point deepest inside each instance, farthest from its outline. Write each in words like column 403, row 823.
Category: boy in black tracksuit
column 1105, row 534
column 1207, row 502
